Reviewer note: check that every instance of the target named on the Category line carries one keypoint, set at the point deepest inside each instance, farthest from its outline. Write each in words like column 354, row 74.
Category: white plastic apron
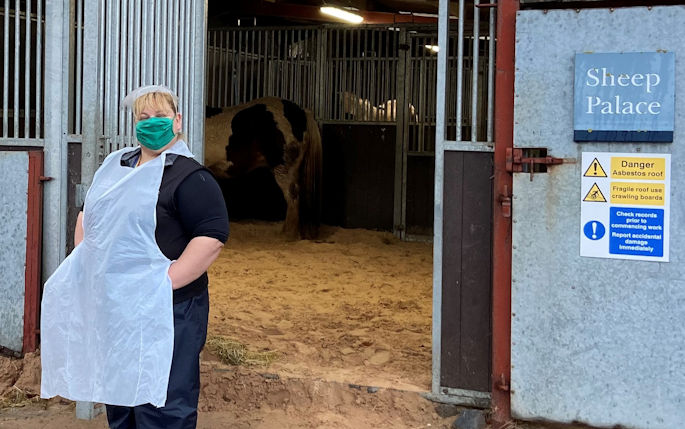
column 107, row 329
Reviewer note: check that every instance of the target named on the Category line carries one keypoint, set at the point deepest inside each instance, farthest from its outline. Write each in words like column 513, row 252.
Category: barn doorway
column 356, row 305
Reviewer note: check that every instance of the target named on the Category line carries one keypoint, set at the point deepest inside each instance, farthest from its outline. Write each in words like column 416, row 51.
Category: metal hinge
column 519, row 160
column 502, row 384
column 505, row 201
column 45, row 179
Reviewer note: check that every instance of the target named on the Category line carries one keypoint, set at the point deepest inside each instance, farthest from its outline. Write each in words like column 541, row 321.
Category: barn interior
column 355, row 305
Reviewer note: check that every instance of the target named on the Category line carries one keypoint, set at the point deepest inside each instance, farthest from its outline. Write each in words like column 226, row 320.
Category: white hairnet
column 133, row 95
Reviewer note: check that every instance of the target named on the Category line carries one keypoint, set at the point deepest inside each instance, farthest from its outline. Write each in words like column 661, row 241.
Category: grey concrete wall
column 14, row 177
column 600, row 341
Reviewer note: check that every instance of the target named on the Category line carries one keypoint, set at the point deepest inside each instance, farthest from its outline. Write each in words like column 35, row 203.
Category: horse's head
column 413, row 116
column 242, row 156
column 349, row 101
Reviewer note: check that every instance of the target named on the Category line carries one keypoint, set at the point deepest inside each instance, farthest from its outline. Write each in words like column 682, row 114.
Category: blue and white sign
column 636, row 231
column 594, row 230
column 626, row 97
column 625, row 206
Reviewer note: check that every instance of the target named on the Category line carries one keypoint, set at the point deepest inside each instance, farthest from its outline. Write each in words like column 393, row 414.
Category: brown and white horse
column 278, row 134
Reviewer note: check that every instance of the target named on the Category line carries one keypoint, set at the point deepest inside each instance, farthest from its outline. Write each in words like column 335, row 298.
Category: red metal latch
column 516, row 160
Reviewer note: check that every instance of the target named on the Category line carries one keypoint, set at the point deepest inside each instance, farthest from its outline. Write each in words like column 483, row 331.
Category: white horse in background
column 361, row 109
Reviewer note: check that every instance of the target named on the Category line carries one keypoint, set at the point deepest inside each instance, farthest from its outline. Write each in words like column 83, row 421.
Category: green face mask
column 155, row 133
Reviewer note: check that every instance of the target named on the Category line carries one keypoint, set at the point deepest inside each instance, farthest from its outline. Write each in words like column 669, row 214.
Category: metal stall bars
column 463, row 212
column 22, row 33
column 248, row 63
column 141, row 43
column 341, row 73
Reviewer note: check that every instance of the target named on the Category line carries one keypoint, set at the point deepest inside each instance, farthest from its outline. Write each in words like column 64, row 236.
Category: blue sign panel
column 636, row 231
column 626, row 97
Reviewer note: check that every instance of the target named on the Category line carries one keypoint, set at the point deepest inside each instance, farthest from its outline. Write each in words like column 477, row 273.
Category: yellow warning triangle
column 594, row 195
column 595, row 170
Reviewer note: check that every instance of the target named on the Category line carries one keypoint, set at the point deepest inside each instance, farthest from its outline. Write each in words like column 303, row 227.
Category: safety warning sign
column 595, row 195
column 625, row 214
column 595, row 170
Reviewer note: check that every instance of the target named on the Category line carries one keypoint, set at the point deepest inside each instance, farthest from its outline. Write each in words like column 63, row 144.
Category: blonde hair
column 154, row 100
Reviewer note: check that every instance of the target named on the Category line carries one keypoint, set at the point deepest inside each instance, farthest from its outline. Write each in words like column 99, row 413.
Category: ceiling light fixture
column 342, row 14
column 433, row 48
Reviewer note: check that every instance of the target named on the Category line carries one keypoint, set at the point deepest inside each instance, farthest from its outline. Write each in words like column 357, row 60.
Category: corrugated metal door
column 20, row 202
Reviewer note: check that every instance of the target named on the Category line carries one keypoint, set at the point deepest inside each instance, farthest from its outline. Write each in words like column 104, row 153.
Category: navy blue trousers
column 180, row 410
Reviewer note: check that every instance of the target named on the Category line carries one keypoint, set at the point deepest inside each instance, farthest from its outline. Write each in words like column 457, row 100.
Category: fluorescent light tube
column 342, row 14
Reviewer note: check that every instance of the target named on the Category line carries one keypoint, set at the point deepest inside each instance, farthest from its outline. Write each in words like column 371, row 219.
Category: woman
column 112, row 329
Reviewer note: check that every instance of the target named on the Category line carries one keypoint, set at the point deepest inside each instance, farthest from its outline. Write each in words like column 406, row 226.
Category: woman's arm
column 78, row 230
column 195, row 260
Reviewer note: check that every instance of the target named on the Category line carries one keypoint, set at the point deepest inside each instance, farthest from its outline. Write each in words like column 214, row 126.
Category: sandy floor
column 354, row 306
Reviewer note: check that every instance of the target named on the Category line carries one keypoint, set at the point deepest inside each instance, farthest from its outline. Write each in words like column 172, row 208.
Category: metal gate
column 371, row 75
column 462, row 247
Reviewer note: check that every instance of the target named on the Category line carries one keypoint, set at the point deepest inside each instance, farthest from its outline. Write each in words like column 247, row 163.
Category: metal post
column 501, row 230
column 55, row 191
column 91, row 129
column 91, row 100
column 460, row 67
column 491, row 74
column 321, row 79
column 400, row 209
column 199, row 92
column 6, row 70
column 88, row 410
column 27, row 70
column 39, row 75
column 474, row 72
column 443, row 30
column 17, row 49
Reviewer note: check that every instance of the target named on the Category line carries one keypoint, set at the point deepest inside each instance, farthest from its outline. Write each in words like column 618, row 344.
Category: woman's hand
column 78, row 230
column 195, row 260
